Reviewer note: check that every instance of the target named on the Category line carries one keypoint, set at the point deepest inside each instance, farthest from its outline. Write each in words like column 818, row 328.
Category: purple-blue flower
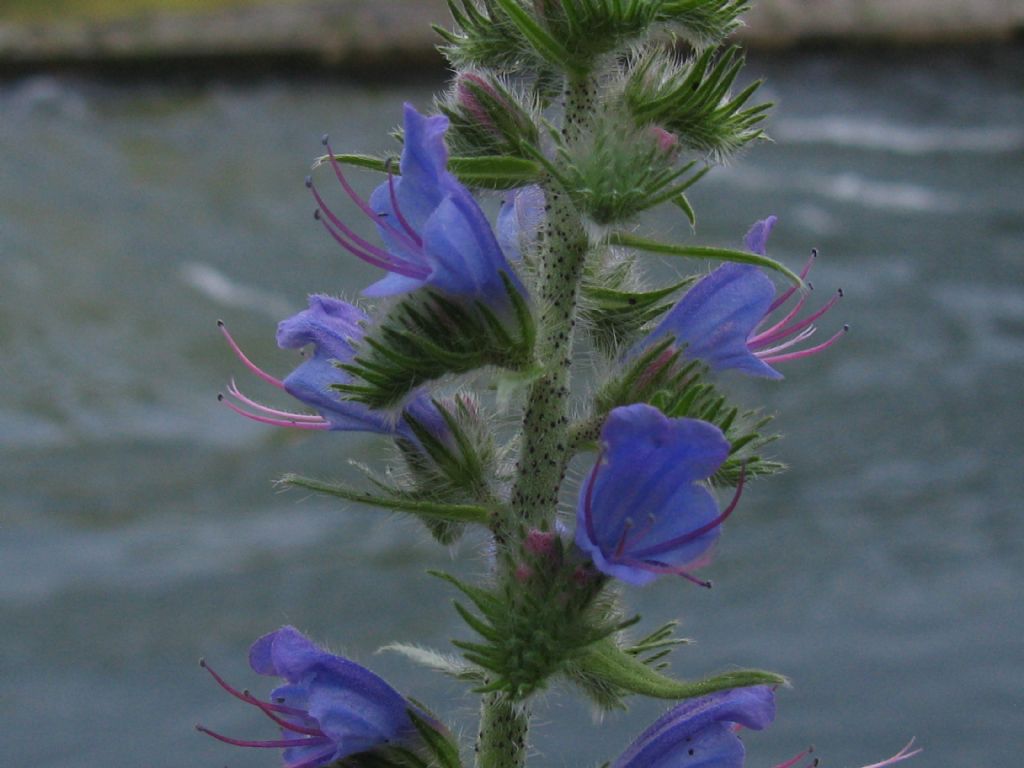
column 332, row 328
column 724, row 319
column 701, row 732
column 435, row 233
column 329, row 707
column 644, row 510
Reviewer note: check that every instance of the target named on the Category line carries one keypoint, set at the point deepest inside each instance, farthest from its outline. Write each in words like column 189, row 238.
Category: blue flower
column 333, row 328
column 701, row 732
column 329, row 707
column 434, row 232
column 643, row 511
column 723, row 320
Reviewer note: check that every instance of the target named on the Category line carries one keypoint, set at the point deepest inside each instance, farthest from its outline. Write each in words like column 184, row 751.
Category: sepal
column 484, row 171
column 692, row 100
column 427, row 336
column 486, row 117
column 442, row 749
column 702, row 22
column 591, row 28
column 619, row 671
column 436, row 748
column 619, row 170
column 486, row 35
column 444, row 520
column 524, row 639
column 629, row 240
column 455, row 459
column 614, row 307
column 439, row 662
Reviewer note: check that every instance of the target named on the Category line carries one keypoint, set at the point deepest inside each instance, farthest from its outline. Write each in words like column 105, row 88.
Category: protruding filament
column 246, row 361
column 359, row 246
column 794, row 760
column 398, row 210
column 784, row 296
column 268, row 744
column 904, row 754
column 678, row 541
column 268, row 709
column 763, row 339
column 272, row 421
column 413, row 243
column 809, row 351
column 312, row 418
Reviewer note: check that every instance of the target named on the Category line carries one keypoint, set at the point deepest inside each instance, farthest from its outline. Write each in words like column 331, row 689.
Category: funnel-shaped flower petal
column 701, row 732
column 434, row 231
column 329, row 707
column 332, row 328
column 644, row 511
column 724, row 319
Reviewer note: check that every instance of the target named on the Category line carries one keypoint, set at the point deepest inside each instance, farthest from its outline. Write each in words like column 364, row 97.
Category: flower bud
column 486, row 118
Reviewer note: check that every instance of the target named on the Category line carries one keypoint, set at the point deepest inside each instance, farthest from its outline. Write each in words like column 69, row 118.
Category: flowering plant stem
column 543, row 459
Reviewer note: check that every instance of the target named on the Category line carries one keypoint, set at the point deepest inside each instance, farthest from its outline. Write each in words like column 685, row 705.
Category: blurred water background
column 140, row 529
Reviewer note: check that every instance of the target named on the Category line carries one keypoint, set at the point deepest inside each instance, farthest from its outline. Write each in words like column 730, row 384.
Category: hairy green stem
column 541, row 466
column 502, row 739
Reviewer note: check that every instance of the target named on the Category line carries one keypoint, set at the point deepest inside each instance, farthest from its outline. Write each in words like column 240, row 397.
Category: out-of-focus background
column 151, row 163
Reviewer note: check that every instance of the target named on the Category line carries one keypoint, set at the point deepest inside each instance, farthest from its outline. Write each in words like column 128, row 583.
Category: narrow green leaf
column 445, row 752
column 702, row 252
column 608, row 662
column 547, row 46
column 495, row 169
column 482, row 599
column 683, row 204
column 439, row 662
column 460, row 513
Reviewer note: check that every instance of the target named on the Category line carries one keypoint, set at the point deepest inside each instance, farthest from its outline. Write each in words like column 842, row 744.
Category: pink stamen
column 805, row 334
column 270, row 744
column 398, row 211
column 306, row 417
column 675, row 570
column 363, row 248
column 697, row 532
column 784, row 297
column 768, row 338
column 809, row 351
column 794, row 760
column 899, row 757
column 268, row 709
column 319, row 425
column 753, row 339
column 621, row 545
column 246, row 361
column 638, row 536
column 266, row 706
column 412, row 244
